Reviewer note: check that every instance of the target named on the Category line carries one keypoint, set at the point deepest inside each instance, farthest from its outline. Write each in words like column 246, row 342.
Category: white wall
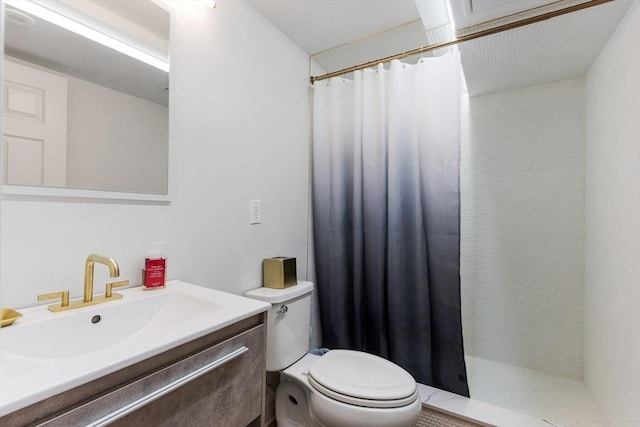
column 238, row 131
column 612, row 251
column 522, row 267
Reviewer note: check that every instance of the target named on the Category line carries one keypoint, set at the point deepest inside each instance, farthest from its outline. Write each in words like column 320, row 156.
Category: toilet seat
column 362, row 379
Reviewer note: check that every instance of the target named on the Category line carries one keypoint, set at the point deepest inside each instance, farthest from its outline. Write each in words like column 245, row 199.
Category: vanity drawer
column 221, row 385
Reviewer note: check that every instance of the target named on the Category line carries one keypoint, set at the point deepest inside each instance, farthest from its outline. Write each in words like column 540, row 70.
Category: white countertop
column 26, row 378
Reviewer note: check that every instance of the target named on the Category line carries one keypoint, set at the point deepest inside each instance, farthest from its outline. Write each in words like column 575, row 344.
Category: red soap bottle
column 154, row 273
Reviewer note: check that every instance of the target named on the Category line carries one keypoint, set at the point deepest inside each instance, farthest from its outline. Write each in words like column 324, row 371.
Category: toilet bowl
column 299, row 402
column 343, row 388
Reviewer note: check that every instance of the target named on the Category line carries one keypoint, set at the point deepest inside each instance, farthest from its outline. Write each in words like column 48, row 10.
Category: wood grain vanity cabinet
column 216, row 380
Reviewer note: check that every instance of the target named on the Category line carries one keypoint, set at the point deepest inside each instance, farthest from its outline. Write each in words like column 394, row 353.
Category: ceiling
column 318, row 25
column 341, row 33
column 558, row 49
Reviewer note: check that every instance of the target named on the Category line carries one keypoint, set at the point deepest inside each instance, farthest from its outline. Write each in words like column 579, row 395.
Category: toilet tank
column 288, row 323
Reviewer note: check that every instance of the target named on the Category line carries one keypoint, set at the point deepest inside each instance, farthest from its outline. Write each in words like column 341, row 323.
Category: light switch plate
column 255, row 212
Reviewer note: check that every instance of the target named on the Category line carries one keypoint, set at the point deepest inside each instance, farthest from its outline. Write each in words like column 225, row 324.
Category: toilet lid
column 362, row 379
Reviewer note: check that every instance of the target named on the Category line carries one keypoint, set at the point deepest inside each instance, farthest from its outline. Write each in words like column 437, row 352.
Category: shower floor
column 559, row 400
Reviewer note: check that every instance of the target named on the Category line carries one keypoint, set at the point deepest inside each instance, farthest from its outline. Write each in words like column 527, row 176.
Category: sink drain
column 95, row 319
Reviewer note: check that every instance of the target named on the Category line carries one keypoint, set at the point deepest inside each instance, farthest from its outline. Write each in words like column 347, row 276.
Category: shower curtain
column 386, row 214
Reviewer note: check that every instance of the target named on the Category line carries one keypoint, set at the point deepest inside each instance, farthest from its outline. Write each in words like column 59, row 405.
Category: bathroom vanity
column 199, row 359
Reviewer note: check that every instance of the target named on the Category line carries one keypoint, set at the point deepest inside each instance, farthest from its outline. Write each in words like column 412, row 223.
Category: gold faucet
column 88, row 299
column 114, row 271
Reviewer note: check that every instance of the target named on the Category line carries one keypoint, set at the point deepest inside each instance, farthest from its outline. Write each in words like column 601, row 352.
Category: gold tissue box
column 279, row 272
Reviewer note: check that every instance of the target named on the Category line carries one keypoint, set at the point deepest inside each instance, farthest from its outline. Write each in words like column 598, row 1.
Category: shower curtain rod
column 472, row 36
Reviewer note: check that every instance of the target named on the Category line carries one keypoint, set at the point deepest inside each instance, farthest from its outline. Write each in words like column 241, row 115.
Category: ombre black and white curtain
column 386, row 213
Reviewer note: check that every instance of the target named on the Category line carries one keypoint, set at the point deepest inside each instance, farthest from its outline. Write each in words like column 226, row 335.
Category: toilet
column 342, row 388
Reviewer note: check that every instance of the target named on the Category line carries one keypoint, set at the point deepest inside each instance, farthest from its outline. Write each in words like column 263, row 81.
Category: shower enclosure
column 549, row 250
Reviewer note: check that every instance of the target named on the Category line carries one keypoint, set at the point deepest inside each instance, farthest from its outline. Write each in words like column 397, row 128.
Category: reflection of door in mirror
column 35, row 126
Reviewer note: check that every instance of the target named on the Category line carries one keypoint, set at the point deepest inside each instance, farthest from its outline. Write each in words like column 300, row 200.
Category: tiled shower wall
column 612, row 280
column 522, row 224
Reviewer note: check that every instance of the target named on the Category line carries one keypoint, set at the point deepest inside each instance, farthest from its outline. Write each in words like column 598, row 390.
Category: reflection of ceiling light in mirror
column 87, row 32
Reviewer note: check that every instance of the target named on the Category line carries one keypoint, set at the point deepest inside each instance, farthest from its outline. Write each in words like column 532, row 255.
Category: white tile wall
column 522, row 221
column 612, row 250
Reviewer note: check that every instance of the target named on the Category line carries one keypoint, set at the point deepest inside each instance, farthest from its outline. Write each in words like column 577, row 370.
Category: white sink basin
column 45, row 353
column 73, row 333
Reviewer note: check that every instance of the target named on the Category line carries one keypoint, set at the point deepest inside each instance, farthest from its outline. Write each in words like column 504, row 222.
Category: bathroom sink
column 97, row 327
column 45, row 353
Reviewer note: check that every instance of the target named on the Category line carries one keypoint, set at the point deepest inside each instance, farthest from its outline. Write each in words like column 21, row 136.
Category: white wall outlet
column 255, row 212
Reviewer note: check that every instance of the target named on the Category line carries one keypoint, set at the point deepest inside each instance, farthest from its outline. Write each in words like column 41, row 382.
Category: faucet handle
column 63, row 295
column 108, row 291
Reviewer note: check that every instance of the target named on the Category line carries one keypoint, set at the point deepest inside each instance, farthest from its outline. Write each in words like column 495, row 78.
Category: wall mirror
column 76, row 113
